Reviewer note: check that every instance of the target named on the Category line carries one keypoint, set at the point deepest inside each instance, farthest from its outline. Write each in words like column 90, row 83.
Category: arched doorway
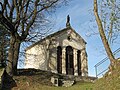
column 59, row 59
column 69, row 61
column 79, row 62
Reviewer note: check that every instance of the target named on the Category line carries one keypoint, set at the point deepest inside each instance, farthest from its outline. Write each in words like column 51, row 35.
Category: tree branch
column 4, row 5
column 6, row 23
column 102, row 34
column 1, row 7
column 45, row 7
column 11, row 11
column 25, row 33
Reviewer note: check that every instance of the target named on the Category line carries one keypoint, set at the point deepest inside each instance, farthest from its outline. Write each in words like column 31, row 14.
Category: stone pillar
column 84, row 64
column 75, row 62
column 63, row 60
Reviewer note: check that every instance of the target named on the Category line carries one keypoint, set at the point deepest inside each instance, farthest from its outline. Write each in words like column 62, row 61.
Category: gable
column 62, row 34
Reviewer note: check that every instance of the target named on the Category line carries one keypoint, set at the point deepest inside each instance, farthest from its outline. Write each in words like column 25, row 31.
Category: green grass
column 110, row 81
column 77, row 86
column 40, row 80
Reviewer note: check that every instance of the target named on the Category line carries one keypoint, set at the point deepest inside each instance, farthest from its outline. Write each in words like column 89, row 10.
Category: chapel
column 62, row 52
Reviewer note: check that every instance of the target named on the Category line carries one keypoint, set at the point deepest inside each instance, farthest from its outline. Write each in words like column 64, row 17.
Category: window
column 69, row 38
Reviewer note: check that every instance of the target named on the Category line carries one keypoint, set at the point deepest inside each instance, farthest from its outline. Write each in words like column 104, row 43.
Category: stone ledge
column 56, row 81
column 67, row 83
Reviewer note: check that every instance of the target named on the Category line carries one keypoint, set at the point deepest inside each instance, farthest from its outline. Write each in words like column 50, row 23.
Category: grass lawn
column 77, row 86
column 41, row 81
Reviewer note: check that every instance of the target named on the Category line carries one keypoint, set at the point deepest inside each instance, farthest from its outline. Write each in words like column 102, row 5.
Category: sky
column 83, row 22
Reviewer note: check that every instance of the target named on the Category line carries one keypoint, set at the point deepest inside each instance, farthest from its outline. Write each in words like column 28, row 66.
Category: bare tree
column 110, row 17
column 102, row 34
column 4, row 44
column 19, row 16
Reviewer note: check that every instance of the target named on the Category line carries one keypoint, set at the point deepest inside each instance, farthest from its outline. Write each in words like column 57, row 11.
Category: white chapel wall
column 36, row 57
column 44, row 55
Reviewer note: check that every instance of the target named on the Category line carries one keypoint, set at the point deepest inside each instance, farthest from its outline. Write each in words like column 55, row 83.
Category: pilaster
column 75, row 63
column 63, row 61
column 84, row 66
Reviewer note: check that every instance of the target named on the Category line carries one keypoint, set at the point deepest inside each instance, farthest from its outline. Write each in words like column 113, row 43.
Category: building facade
column 63, row 52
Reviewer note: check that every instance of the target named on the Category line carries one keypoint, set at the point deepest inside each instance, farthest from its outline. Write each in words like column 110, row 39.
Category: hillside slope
column 111, row 80
column 40, row 80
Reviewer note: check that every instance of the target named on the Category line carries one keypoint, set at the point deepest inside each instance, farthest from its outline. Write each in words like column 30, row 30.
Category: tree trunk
column 1, row 56
column 16, row 56
column 13, row 55
column 102, row 34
